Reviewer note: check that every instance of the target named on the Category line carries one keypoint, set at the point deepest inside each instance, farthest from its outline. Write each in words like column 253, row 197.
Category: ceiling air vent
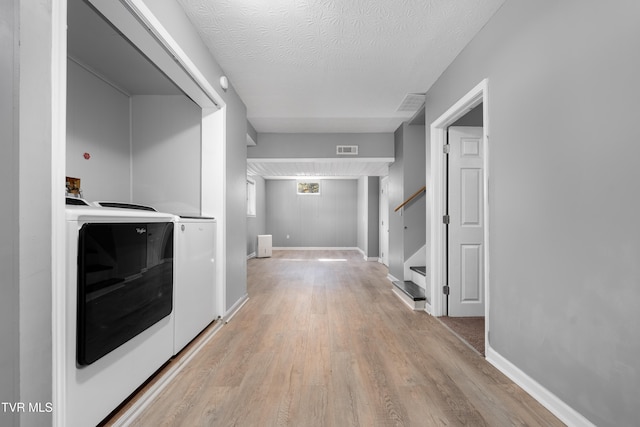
column 346, row 149
column 412, row 102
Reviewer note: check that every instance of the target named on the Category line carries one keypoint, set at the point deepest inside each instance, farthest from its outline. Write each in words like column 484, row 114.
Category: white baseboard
column 235, row 308
column 251, row 255
column 314, row 248
column 553, row 403
column 428, row 309
column 392, row 278
column 368, row 258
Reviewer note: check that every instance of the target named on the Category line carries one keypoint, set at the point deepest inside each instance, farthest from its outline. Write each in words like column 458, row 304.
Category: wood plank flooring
column 327, row 343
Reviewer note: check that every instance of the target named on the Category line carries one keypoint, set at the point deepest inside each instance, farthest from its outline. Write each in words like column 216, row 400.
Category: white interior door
column 384, row 220
column 466, row 222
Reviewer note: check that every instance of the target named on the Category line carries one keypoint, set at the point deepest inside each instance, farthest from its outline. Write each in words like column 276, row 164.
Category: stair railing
column 413, row 196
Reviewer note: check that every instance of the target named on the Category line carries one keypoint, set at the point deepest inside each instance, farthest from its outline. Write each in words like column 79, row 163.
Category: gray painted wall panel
column 373, row 207
column 362, row 214
column 407, row 227
column 9, row 224
column 236, row 200
column 396, row 222
column 100, row 128
column 325, row 220
column 314, row 145
column 563, row 276
column 414, row 214
column 166, row 153
column 35, row 206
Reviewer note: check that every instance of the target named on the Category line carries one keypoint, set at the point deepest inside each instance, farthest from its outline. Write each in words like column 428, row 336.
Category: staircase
column 414, row 292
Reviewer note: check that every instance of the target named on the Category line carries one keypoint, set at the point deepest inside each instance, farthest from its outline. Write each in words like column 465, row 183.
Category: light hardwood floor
column 327, row 343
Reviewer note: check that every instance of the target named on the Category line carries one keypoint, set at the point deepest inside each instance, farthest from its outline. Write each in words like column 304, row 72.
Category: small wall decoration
column 308, row 187
column 73, row 187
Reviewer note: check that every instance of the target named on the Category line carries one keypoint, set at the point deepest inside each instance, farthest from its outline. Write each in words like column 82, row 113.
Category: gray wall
column 258, row 224
column 100, row 129
column 35, row 208
column 373, row 220
column 564, row 272
column 165, row 153
column 396, row 222
column 407, row 227
column 325, row 220
column 314, row 145
column 363, row 213
column 234, row 223
column 368, row 215
column 143, row 149
column 415, row 225
column 9, row 315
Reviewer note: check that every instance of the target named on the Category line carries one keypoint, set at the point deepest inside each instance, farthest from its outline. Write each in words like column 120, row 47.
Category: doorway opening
column 459, row 224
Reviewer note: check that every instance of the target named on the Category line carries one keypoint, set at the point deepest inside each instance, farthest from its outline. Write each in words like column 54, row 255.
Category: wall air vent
column 346, row 149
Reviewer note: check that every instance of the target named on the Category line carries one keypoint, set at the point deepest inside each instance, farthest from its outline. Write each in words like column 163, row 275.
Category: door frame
column 438, row 131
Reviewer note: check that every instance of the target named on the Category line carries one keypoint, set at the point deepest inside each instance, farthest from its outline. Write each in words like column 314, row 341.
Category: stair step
column 413, row 291
column 420, row 270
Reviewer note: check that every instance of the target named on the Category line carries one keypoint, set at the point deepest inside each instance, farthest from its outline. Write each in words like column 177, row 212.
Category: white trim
column 368, row 258
column 322, row 160
column 428, row 309
column 145, row 399
column 213, row 189
column 296, row 177
column 391, row 278
column 235, row 308
column 479, row 94
column 553, row 403
column 251, row 255
column 58, row 235
column 141, row 12
column 413, row 305
column 315, row 248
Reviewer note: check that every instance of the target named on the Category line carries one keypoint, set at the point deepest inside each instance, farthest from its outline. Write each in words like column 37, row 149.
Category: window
column 251, row 197
column 309, row 187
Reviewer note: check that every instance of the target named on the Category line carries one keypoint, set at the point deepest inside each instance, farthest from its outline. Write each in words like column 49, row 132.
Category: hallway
column 322, row 341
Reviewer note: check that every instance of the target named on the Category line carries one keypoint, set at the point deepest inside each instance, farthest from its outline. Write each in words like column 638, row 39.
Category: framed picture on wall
column 308, row 187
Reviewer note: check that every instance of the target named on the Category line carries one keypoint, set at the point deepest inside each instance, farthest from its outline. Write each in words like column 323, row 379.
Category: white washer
column 91, row 392
column 195, row 273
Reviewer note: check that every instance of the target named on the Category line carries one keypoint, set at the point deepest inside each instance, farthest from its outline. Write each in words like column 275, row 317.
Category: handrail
column 413, row 196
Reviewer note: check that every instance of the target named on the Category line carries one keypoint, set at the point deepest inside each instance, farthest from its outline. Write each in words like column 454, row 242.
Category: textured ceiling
column 334, row 65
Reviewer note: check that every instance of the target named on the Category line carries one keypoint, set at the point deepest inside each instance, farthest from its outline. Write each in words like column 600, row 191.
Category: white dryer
column 195, row 273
